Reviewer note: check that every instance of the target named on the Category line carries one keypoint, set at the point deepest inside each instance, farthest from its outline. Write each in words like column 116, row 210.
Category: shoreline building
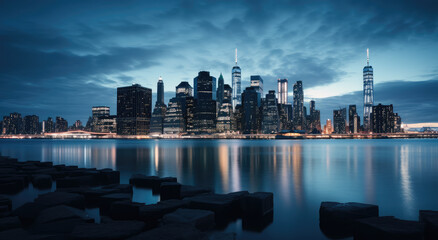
column 270, row 117
column 236, row 82
column 298, row 107
column 257, row 83
column 368, row 93
column 251, row 111
column 339, row 120
column 225, row 112
column 159, row 112
column 134, row 110
column 282, row 91
column 205, row 105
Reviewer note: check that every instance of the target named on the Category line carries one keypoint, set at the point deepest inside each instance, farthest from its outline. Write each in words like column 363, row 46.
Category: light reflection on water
column 399, row 175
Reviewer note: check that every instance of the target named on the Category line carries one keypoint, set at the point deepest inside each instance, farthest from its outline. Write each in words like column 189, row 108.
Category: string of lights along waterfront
column 209, row 106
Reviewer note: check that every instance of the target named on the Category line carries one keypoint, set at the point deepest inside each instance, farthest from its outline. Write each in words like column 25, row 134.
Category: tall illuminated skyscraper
column 282, row 91
column 368, row 93
column 160, row 91
column 236, row 81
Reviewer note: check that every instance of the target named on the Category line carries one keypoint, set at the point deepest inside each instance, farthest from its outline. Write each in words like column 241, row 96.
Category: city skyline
column 60, row 63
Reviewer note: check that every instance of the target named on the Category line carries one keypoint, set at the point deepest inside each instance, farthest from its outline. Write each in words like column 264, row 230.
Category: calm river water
column 401, row 176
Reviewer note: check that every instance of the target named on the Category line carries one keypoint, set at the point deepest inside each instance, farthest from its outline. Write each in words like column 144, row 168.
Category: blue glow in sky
column 59, row 58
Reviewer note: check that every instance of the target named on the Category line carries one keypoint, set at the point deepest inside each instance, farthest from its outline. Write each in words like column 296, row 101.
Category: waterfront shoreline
column 229, row 136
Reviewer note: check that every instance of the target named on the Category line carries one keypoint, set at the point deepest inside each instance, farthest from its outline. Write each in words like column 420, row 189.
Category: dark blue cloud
column 62, row 57
column 414, row 101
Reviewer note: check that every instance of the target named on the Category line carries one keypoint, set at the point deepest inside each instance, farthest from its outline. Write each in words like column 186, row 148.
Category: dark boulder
column 7, row 223
column 110, row 230
column 106, row 200
column 153, row 212
column 388, row 228
column 125, row 210
column 201, row 219
column 170, row 190
column 153, row 182
column 108, row 176
column 62, row 212
column 430, row 220
column 258, row 204
column 42, row 181
column 61, row 198
column 172, row 232
column 76, row 181
column 190, row 191
column 28, row 212
column 336, row 220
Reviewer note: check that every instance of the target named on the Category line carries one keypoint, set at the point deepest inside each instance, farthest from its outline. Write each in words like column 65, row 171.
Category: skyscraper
column 220, row 89
column 225, row 111
column 31, row 124
column 270, row 117
column 298, row 107
column 251, row 111
column 236, row 82
column 382, row 119
column 61, row 124
column 183, row 90
column 160, row 91
column 134, row 105
column 282, row 91
column 351, row 118
column 174, row 119
column 157, row 119
column 257, row 83
column 205, row 107
column 368, row 93
column 315, row 120
column 339, row 120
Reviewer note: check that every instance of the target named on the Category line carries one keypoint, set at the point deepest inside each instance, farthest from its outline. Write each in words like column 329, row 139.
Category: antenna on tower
column 368, row 56
column 236, row 56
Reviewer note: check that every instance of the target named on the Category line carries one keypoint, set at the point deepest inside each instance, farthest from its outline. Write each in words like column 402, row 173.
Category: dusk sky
column 60, row 58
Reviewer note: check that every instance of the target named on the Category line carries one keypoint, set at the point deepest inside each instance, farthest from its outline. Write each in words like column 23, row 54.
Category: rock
column 223, row 205
column 61, row 198
column 42, row 181
column 106, row 200
column 28, row 212
column 111, row 230
column 154, row 182
column 222, row 236
column 336, row 219
column 93, row 196
column 152, row 212
column 108, row 176
column 257, row 223
column 7, row 223
column 258, row 204
column 170, row 190
column 76, row 181
column 14, row 234
column 190, row 191
column 10, row 184
column 6, row 202
column 430, row 220
column 57, row 230
column 172, row 232
column 119, row 188
column 201, row 219
column 387, row 228
column 62, row 212
column 125, row 210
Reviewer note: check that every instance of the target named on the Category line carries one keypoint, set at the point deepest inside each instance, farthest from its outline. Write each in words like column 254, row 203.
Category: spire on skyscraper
column 236, row 56
column 368, row 56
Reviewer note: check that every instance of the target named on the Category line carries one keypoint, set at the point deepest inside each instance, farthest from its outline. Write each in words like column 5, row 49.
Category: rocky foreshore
column 362, row 221
column 183, row 212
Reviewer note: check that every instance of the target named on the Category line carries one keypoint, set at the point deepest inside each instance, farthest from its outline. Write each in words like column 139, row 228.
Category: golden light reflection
column 297, row 165
column 369, row 176
column 224, row 166
column 235, row 168
column 156, row 157
column 406, row 183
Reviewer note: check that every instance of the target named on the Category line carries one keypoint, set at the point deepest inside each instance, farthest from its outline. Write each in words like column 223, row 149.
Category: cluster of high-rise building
column 211, row 106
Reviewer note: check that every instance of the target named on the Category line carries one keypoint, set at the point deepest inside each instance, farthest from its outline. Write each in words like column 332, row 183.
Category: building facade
column 270, row 117
column 133, row 110
column 251, row 111
column 298, row 106
column 225, row 111
column 236, row 84
column 205, row 106
column 368, row 94
column 282, row 90
column 339, row 120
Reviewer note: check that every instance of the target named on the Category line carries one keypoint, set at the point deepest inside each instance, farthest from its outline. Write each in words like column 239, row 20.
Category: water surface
column 401, row 176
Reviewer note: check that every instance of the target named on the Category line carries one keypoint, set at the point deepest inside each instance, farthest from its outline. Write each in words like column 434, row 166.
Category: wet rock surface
column 337, row 219
column 430, row 220
column 387, row 228
column 201, row 219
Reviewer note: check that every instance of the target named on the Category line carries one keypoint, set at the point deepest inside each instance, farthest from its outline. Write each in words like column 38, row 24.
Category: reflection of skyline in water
column 300, row 173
